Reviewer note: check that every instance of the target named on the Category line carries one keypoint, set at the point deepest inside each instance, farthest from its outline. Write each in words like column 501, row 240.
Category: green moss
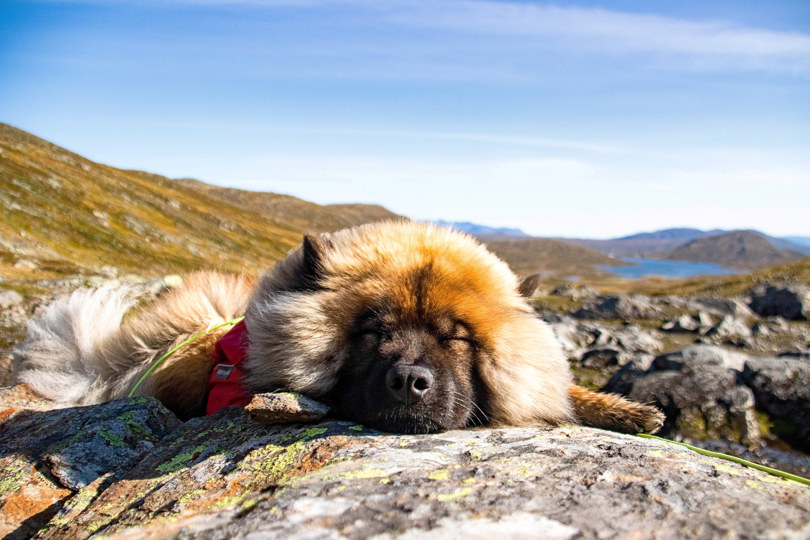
column 115, row 440
column 10, row 482
column 179, row 461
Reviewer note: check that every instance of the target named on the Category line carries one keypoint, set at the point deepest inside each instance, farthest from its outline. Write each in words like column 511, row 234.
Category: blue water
column 666, row 269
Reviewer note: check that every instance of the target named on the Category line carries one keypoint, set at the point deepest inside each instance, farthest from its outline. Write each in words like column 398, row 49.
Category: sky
column 572, row 119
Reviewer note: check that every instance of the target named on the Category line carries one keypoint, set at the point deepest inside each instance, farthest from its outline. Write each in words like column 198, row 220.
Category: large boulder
column 49, row 456
column 619, row 307
column 226, row 476
column 699, row 389
column 782, row 389
column 599, row 345
column 790, row 301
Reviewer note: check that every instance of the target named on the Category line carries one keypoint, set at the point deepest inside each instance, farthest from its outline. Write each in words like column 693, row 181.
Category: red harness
column 226, row 386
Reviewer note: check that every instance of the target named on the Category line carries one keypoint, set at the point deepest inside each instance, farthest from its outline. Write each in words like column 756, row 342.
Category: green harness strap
column 735, row 459
column 183, row 344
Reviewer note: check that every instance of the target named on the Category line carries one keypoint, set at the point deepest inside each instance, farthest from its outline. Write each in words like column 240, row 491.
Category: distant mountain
column 683, row 235
column 66, row 215
column 649, row 243
column 738, row 249
column 483, row 230
column 798, row 240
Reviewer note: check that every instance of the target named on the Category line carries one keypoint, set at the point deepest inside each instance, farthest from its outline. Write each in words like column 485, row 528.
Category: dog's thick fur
column 334, row 320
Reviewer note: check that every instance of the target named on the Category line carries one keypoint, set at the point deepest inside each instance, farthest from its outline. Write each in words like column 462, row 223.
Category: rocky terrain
column 732, row 375
column 729, row 373
column 129, row 469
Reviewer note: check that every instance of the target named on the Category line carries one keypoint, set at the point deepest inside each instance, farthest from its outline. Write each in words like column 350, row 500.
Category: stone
column 225, row 476
column 730, row 327
column 781, row 387
column 281, row 407
column 735, row 307
column 619, row 307
column 48, row 456
column 698, row 389
column 25, row 264
column 791, row 302
column 689, row 323
column 576, row 292
column 9, row 299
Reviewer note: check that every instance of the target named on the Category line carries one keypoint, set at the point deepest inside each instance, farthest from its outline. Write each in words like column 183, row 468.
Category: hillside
column 738, row 249
column 289, row 211
column 67, row 215
column 549, row 256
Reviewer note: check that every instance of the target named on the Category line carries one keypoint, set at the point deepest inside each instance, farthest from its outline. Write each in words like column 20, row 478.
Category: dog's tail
column 609, row 411
column 62, row 357
column 84, row 350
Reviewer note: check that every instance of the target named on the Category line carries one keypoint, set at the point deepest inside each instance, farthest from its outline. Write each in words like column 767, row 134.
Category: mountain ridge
column 737, row 249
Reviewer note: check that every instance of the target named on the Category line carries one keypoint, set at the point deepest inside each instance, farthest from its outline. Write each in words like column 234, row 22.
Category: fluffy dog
column 402, row 326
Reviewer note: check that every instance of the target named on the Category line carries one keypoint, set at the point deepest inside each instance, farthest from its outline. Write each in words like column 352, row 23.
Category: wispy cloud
column 724, row 43
column 526, row 28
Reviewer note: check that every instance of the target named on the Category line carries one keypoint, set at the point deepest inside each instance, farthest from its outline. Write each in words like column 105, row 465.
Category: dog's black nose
column 409, row 384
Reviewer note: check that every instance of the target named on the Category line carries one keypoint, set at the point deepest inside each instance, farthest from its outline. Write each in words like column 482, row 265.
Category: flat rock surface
column 46, row 456
column 228, row 476
column 560, row 483
column 282, row 407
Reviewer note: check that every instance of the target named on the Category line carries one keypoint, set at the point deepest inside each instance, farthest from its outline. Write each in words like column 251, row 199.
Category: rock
column 782, row 389
column 159, row 286
column 25, row 264
column 281, row 407
column 730, row 327
column 9, row 299
column 601, row 358
column 225, row 476
column 788, row 461
column 721, row 307
column 700, row 323
column 587, row 341
column 576, row 292
column 619, row 307
column 699, row 390
column 790, row 301
column 47, row 456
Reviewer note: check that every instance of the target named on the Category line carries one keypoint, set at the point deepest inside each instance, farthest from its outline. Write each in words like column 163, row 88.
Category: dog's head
column 406, row 327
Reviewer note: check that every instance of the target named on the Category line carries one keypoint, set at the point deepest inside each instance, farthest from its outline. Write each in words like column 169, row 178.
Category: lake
column 667, row 269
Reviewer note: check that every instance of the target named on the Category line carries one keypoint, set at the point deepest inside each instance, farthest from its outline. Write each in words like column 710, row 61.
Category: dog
column 401, row 326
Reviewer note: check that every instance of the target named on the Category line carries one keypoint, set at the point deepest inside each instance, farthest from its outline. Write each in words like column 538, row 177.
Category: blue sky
column 593, row 119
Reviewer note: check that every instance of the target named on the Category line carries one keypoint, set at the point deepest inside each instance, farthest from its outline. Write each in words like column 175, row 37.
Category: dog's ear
column 314, row 252
column 528, row 284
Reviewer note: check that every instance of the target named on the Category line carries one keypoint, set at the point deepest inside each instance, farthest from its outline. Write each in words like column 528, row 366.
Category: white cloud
column 612, row 31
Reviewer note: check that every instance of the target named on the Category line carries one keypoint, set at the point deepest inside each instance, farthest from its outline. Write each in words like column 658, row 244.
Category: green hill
column 67, row 215
column 738, row 249
column 529, row 255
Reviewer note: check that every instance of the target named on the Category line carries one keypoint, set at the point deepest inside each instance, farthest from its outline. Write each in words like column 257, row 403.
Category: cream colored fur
column 79, row 352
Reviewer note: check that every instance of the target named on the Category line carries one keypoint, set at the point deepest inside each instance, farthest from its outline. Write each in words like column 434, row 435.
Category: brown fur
column 343, row 311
